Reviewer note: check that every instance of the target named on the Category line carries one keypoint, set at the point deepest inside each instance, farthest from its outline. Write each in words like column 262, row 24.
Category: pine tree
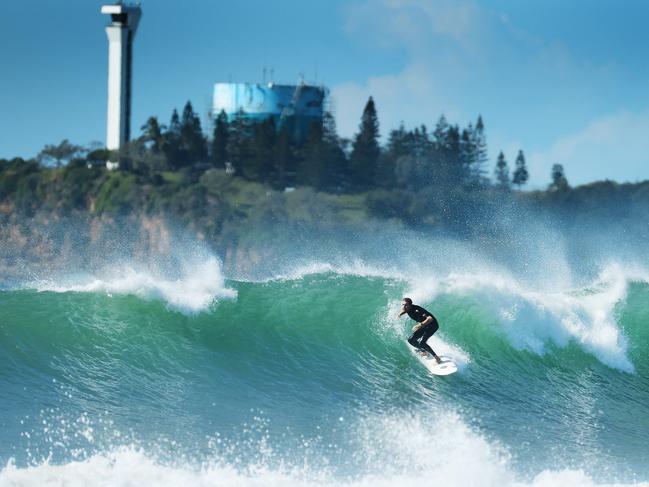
column 441, row 129
column 260, row 167
column 481, row 156
column 444, row 165
column 283, row 160
column 171, row 142
column 219, row 149
column 454, row 154
column 502, row 173
column 365, row 149
column 468, row 155
column 334, row 161
column 192, row 141
column 174, row 124
column 238, row 146
column 559, row 181
column 312, row 170
column 440, row 155
column 521, row 175
column 398, row 146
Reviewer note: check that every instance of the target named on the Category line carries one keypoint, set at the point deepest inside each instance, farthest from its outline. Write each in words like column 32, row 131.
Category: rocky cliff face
column 47, row 244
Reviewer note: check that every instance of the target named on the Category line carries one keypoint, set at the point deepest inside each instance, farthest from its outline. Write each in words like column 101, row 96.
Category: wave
column 531, row 317
column 328, row 342
column 380, row 450
column 199, row 283
column 531, row 314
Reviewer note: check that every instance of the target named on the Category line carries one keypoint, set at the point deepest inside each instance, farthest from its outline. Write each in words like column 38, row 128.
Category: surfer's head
column 407, row 302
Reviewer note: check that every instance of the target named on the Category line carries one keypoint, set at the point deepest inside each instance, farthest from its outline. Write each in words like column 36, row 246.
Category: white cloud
column 462, row 60
column 457, row 20
column 410, row 96
column 431, row 31
column 603, row 149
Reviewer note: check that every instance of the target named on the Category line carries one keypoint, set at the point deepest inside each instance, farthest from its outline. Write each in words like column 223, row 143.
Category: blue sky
column 567, row 82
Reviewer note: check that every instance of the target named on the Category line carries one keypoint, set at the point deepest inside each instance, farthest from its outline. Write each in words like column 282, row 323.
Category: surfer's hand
column 416, row 327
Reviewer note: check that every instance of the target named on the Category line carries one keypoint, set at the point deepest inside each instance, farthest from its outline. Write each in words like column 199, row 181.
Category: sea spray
column 198, row 283
column 549, row 394
column 388, row 450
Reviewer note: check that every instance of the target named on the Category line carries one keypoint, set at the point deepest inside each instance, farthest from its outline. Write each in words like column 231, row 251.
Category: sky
column 566, row 82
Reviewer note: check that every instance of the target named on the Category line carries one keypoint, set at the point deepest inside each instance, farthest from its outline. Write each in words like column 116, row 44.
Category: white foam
column 426, row 449
column 445, row 347
column 199, row 283
column 531, row 317
column 531, row 314
column 356, row 267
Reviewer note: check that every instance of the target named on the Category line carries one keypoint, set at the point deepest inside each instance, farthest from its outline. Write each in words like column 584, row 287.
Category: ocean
column 301, row 375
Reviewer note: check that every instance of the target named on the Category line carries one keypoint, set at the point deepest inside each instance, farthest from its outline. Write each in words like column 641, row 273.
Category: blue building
column 295, row 107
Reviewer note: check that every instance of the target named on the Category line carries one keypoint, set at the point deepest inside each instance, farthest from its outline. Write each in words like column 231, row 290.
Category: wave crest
column 198, row 283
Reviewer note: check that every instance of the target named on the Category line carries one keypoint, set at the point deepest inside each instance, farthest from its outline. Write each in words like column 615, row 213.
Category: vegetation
column 255, row 174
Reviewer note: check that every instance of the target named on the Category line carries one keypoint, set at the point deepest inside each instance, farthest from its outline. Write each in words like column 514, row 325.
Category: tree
column 468, row 156
column 559, row 181
column 365, row 149
column 521, row 175
column 480, row 156
column 238, row 147
column 333, row 155
column 171, row 142
column 397, row 146
column 311, row 169
column 453, row 156
column 441, row 129
column 57, row 154
column 442, row 159
column 219, row 149
column 152, row 134
column 502, row 173
column 264, row 137
column 192, row 142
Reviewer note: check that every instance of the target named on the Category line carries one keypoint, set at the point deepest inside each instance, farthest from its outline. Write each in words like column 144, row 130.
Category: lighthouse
column 124, row 20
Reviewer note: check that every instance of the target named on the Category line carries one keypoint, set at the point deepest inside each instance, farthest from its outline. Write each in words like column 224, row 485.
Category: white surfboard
column 446, row 367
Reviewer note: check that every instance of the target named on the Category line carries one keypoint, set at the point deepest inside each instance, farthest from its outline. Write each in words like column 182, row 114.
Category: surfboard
column 447, row 366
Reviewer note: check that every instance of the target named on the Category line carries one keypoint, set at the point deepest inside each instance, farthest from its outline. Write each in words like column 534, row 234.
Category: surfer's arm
column 426, row 321
column 403, row 312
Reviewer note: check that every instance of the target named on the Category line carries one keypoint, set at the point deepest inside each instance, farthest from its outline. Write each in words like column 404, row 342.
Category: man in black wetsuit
column 426, row 327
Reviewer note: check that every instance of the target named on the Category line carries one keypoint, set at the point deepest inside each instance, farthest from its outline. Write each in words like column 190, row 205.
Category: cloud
column 433, row 34
column 414, row 24
column 457, row 20
column 601, row 150
column 463, row 59
column 410, row 96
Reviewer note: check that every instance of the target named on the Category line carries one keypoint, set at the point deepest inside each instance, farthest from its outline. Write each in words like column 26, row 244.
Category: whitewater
column 299, row 374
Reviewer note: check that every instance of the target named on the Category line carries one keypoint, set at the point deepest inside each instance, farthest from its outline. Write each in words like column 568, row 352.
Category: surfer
column 424, row 329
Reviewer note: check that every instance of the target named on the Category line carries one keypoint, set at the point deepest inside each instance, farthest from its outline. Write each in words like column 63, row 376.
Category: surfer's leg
column 429, row 331
column 415, row 337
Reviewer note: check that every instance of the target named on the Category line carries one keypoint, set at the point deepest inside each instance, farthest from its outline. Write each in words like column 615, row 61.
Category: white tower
column 121, row 32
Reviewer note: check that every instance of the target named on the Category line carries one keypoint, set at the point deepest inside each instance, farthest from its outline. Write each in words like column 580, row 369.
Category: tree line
column 447, row 157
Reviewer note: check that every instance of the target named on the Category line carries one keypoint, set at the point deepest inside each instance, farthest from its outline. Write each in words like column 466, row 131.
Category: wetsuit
column 421, row 335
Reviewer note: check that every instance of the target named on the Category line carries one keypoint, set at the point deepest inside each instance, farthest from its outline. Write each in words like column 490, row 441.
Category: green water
column 309, row 380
